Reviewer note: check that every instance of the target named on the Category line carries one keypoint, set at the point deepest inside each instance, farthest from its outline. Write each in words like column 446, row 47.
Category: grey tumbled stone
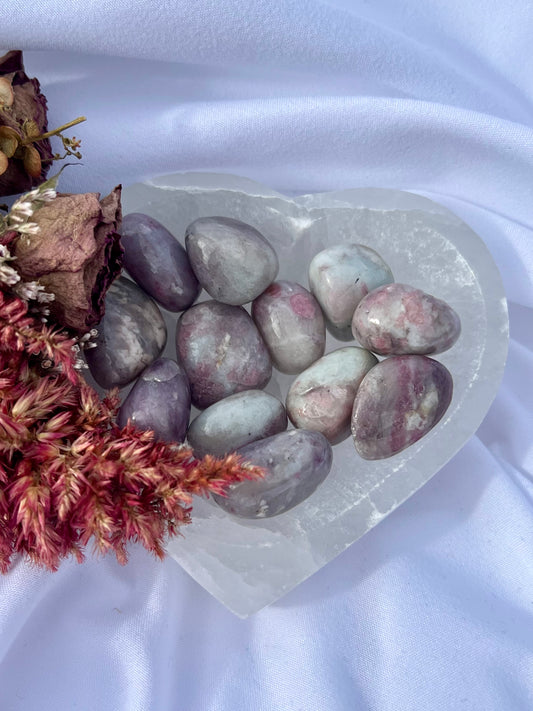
column 131, row 335
column 235, row 421
column 296, row 463
column 232, row 260
column 160, row 401
column 158, row 262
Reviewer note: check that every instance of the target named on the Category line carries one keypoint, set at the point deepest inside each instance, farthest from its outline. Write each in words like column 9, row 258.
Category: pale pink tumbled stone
column 397, row 319
column 292, row 325
column 321, row 398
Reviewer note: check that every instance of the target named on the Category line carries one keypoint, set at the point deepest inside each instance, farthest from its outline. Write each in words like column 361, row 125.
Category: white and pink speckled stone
column 340, row 276
column 397, row 319
column 397, row 403
column 292, row 325
column 321, row 398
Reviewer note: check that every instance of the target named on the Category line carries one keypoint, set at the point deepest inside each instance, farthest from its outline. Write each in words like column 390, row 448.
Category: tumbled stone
column 397, row 319
column 131, row 335
column 291, row 322
column 295, row 462
column 221, row 351
column 321, row 398
column 340, row 276
column 232, row 260
column 397, row 403
column 160, row 401
column 158, row 262
column 235, row 421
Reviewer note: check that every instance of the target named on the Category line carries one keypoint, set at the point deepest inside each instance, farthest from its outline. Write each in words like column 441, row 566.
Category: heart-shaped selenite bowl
column 249, row 564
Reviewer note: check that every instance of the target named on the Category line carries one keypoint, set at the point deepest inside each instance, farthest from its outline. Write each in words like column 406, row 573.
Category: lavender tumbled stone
column 158, row 262
column 296, row 462
column 131, row 335
column 160, row 401
column 397, row 403
column 397, row 319
column 340, row 276
column 221, row 351
column 321, row 398
column 232, row 260
column 236, row 421
column 292, row 324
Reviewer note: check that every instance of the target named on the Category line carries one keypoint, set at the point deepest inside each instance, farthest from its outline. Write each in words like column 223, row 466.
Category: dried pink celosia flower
column 68, row 473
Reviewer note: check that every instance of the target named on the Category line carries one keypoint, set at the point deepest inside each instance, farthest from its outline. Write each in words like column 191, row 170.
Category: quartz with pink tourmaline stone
column 340, row 276
column 397, row 403
column 292, row 325
column 397, row 319
column 221, row 351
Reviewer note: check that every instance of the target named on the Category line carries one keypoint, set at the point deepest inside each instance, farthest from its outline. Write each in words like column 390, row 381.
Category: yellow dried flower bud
column 31, row 129
column 9, row 140
column 4, row 162
column 32, row 161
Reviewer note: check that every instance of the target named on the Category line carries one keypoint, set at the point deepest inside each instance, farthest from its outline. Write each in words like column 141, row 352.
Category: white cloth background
column 433, row 609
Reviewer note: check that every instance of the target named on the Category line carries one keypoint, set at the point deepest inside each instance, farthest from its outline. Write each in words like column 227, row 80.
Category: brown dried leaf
column 4, row 163
column 32, row 161
column 6, row 93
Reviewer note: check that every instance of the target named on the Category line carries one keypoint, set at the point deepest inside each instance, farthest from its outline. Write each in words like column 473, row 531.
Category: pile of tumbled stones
column 225, row 356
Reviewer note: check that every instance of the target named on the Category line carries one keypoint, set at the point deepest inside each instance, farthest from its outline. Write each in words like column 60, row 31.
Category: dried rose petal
column 76, row 254
column 29, row 104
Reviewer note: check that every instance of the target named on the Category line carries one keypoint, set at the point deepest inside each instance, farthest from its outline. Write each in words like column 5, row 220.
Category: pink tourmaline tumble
column 292, row 325
column 397, row 319
column 221, row 351
column 398, row 402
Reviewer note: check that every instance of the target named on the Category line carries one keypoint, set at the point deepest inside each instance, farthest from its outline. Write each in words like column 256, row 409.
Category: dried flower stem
column 55, row 132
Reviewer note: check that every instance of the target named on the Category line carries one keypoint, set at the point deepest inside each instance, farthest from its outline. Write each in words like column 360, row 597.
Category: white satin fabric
column 433, row 609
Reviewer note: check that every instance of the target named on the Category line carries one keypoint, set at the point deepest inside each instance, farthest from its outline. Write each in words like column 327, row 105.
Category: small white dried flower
column 27, row 290
column 29, row 196
column 14, row 220
column 29, row 228
column 45, row 297
column 47, row 195
column 5, row 253
column 8, row 275
column 25, row 207
column 80, row 364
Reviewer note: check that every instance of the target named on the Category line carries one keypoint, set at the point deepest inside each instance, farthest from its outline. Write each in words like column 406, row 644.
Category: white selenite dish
column 248, row 564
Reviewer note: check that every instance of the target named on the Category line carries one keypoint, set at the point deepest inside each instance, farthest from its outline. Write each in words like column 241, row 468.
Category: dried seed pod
column 31, row 129
column 4, row 163
column 6, row 93
column 32, row 161
column 9, row 140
